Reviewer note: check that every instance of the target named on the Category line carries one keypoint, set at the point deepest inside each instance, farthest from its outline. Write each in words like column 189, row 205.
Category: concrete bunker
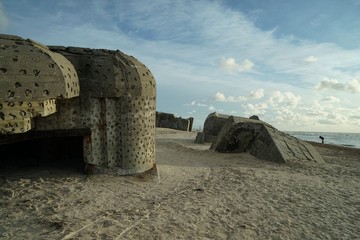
column 263, row 141
column 168, row 120
column 212, row 126
column 111, row 105
column 32, row 78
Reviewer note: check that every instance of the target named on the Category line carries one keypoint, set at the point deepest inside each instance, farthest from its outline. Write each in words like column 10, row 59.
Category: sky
column 295, row 64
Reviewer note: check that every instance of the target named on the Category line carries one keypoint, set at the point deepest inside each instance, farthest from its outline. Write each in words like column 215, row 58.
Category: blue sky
column 295, row 64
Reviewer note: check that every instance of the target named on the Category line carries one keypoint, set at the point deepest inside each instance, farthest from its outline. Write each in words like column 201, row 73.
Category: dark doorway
column 64, row 152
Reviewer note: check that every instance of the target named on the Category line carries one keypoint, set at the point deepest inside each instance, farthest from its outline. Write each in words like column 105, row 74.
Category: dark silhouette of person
column 322, row 139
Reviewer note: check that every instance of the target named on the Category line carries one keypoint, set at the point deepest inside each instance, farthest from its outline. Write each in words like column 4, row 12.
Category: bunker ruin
column 168, row 120
column 263, row 141
column 104, row 96
column 212, row 126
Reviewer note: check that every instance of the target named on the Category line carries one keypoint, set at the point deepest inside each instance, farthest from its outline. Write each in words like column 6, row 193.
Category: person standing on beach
column 322, row 139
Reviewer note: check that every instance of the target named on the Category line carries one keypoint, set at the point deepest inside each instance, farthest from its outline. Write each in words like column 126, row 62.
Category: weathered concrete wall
column 168, row 120
column 31, row 78
column 263, row 141
column 212, row 126
column 117, row 104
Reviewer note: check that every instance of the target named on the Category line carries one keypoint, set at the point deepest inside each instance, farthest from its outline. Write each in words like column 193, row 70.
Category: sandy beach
column 195, row 193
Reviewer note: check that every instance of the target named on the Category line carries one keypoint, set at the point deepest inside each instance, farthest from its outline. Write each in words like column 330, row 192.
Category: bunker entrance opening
column 59, row 152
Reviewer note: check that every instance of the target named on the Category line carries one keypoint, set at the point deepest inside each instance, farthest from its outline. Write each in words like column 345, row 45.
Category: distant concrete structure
column 168, row 120
column 105, row 96
column 212, row 125
column 263, row 141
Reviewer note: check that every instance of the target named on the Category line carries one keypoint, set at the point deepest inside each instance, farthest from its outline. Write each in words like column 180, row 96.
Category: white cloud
column 259, row 108
column 212, row 108
column 356, row 117
column 288, row 98
column 330, row 99
column 231, row 99
column 242, row 98
column 257, row 94
column 197, row 104
column 230, row 64
column 302, row 118
column 330, row 84
column 333, row 118
column 220, row 97
column 276, row 97
column 353, row 86
column 4, row 20
column 201, row 105
column 318, row 117
column 311, row 59
column 292, row 99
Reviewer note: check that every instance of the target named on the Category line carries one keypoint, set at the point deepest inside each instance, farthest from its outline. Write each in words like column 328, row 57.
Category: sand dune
column 195, row 193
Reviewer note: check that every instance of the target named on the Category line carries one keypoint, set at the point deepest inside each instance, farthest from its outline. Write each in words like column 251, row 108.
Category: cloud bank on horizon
column 295, row 65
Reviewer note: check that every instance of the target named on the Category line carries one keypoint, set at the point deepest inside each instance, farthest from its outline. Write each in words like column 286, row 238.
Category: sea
column 342, row 139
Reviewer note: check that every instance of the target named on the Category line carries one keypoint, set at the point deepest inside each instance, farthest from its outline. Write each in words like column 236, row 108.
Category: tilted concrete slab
column 263, row 141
